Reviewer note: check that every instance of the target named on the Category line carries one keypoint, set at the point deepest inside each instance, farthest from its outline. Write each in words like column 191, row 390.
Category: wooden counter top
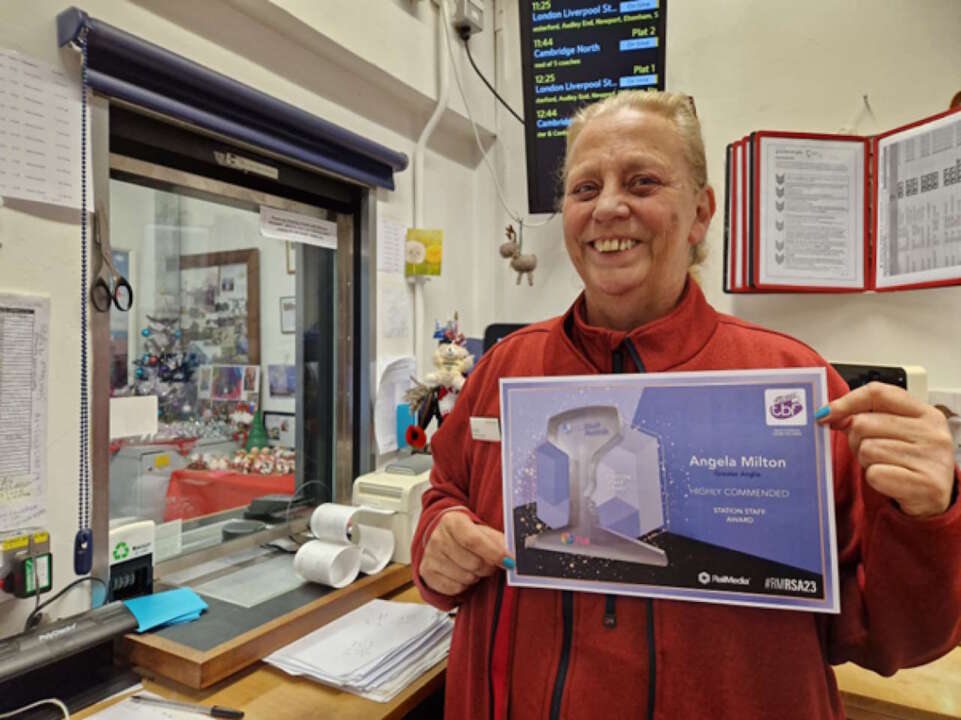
column 265, row 693
column 929, row 692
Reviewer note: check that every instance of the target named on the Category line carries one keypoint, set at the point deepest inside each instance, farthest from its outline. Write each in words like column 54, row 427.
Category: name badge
column 484, row 428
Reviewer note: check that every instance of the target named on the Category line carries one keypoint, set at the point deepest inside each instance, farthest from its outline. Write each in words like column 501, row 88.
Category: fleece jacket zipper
column 610, row 618
column 490, row 659
column 651, row 654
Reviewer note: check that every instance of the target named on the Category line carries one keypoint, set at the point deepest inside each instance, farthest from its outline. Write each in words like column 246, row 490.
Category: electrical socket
column 468, row 16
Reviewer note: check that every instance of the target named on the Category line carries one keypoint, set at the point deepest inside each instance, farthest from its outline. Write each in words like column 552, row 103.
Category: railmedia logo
column 706, row 578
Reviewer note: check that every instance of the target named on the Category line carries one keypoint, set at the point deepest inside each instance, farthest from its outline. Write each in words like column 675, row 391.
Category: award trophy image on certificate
column 599, row 487
column 704, row 486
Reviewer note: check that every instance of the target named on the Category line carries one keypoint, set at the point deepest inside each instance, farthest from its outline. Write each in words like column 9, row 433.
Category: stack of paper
column 374, row 651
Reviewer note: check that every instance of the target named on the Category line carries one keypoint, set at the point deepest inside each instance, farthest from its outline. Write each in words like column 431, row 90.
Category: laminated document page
column 709, row 486
column 919, row 205
column 811, row 204
column 24, row 370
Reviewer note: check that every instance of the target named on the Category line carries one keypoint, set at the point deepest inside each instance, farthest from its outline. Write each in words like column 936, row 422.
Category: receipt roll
column 334, row 565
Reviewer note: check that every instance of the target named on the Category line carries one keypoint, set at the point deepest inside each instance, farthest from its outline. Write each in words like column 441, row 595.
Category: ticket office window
column 244, row 339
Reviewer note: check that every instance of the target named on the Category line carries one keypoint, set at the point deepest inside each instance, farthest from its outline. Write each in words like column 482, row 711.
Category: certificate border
column 815, row 378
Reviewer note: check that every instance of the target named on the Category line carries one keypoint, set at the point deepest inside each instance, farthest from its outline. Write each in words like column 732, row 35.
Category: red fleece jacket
column 900, row 576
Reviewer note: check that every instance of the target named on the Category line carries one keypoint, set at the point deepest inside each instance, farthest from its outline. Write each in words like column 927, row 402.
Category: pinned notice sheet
column 391, row 238
column 39, row 132
column 24, row 362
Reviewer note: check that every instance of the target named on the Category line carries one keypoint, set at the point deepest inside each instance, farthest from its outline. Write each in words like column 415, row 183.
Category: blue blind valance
column 126, row 67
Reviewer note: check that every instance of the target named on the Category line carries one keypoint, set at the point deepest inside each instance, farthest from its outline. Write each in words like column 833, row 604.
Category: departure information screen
column 573, row 53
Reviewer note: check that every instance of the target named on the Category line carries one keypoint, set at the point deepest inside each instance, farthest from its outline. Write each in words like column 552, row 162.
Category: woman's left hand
column 903, row 445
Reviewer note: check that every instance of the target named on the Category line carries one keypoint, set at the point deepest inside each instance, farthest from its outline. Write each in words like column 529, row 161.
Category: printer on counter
column 398, row 488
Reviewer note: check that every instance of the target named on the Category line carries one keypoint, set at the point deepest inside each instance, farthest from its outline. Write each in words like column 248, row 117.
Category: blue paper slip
column 166, row 608
column 404, row 420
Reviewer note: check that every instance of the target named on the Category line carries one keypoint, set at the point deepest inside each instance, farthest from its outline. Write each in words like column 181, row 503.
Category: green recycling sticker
column 121, row 550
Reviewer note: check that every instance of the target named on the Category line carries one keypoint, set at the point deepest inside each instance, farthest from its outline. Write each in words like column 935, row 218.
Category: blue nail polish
column 822, row 412
column 509, row 563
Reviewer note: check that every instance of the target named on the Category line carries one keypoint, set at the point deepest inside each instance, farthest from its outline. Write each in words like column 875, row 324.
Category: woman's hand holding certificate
column 903, row 445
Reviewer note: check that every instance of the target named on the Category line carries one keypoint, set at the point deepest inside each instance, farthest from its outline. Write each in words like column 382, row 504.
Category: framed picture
column 251, row 379
column 288, row 315
column 282, row 380
column 220, row 305
column 204, row 380
column 227, row 382
column 291, row 258
column 281, row 429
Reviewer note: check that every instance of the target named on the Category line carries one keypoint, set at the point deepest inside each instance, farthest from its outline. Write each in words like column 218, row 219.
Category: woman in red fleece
column 636, row 211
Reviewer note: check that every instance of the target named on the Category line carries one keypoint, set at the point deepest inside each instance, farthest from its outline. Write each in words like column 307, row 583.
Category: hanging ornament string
column 83, row 543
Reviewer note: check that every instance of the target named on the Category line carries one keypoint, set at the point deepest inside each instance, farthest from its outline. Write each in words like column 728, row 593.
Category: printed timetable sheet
column 39, row 132
column 24, row 360
column 919, row 204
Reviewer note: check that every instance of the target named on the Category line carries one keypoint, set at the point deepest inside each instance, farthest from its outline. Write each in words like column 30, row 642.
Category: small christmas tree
column 165, row 370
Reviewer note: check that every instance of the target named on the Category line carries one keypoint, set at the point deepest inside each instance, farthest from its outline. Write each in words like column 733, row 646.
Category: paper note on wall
column 391, row 236
column 39, row 132
column 394, row 306
column 297, row 227
column 24, row 349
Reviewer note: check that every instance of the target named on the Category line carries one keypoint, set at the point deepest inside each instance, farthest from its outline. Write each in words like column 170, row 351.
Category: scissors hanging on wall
column 110, row 286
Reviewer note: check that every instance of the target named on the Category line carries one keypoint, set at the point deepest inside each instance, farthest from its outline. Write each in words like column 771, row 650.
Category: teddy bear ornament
column 435, row 396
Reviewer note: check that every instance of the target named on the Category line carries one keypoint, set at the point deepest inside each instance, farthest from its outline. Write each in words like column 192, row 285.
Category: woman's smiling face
column 631, row 213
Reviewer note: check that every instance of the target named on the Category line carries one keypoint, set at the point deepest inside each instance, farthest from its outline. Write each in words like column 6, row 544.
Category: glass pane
column 212, row 334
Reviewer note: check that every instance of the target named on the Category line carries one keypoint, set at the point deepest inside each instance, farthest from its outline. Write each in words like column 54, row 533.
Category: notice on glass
column 297, row 227
column 710, row 486
column 919, row 204
column 812, row 212
column 24, row 363
column 39, row 132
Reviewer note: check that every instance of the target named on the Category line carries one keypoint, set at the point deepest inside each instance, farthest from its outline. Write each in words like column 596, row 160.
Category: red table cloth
column 192, row 493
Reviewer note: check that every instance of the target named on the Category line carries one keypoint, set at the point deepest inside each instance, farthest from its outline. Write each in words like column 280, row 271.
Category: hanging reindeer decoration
column 519, row 262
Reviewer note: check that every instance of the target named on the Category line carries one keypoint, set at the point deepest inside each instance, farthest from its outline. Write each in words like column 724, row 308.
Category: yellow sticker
column 16, row 543
column 162, row 461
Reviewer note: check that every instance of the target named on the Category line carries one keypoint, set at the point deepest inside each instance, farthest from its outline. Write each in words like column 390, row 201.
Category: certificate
column 707, row 486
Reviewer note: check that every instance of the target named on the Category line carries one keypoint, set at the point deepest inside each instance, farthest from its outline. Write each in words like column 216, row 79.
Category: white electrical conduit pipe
column 443, row 81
